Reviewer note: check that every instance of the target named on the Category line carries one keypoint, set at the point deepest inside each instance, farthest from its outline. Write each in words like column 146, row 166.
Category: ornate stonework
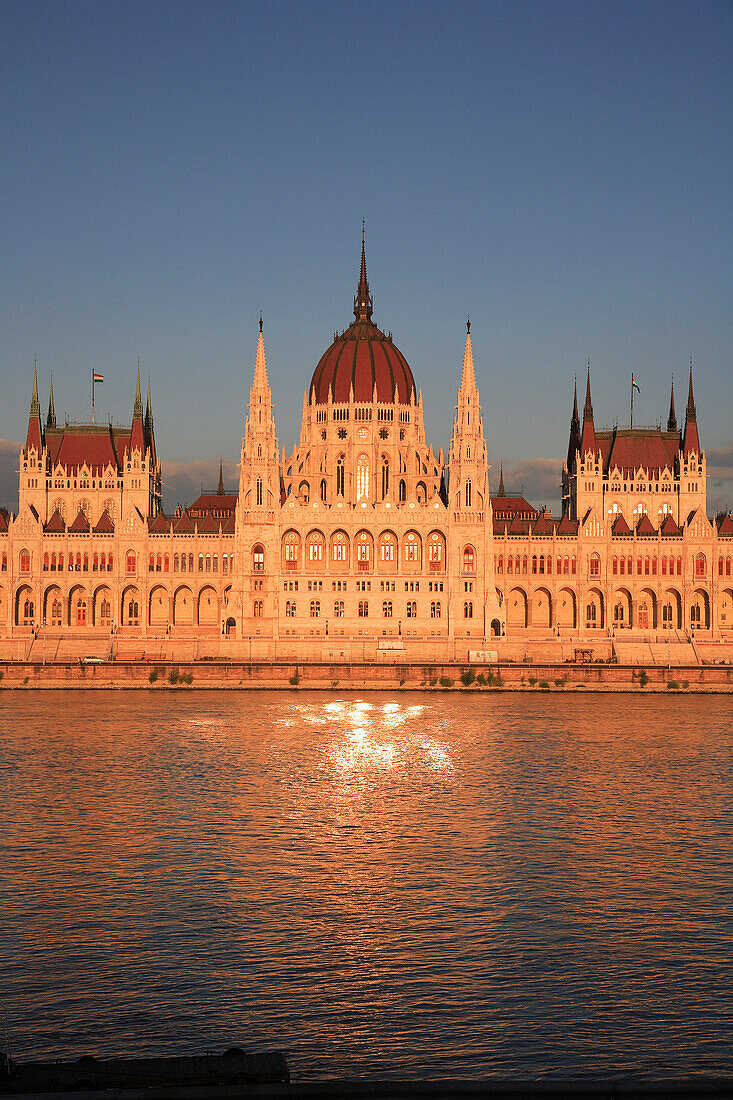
column 362, row 542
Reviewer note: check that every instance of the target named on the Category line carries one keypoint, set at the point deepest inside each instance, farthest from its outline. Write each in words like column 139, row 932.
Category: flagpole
column 632, row 401
column 92, row 397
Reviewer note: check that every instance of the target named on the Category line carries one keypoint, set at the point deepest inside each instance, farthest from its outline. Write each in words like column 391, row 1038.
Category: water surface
column 409, row 885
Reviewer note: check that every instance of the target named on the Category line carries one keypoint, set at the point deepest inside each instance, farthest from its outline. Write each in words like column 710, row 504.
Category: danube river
column 401, row 885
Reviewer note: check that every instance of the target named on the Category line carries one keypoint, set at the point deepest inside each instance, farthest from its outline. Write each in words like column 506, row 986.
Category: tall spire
column 690, row 412
column 691, row 441
column 220, row 489
column 138, row 407
column 588, row 441
column 588, row 407
column 363, row 302
column 672, row 418
column 260, row 375
column 501, row 492
column 51, row 418
column 35, row 403
column 468, row 378
column 34, row 437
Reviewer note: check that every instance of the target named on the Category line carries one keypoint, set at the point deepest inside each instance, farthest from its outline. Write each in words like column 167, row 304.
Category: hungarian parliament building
column 363, row 540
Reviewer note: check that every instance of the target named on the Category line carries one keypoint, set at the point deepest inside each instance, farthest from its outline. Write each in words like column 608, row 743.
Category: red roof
column 620, row 526
column 228, row 525
column 365, row 358
column 219, row 504
column 632, row 449
column 567, row 526
column 726, row 525
column 507, row 507
column 55, row 525
column 517, row 527
column 669, row 526
column 542, row 527
column 159, row 526
column 183, row 526
column 105, row 524
column 89, row 445
column 645, row 526
column 80, row 525
column 3, row 521
column 208, row 525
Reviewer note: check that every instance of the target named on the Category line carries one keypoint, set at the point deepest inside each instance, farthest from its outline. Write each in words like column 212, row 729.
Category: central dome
column 364, row 359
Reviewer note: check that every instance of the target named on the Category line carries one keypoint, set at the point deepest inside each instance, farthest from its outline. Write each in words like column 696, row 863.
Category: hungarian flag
column 97, row 377
column 634, row 385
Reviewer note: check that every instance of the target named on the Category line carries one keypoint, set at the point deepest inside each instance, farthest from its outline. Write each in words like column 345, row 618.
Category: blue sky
column 563, row 171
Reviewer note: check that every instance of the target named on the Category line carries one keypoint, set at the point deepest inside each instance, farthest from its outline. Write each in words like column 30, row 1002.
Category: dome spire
column 363, row 301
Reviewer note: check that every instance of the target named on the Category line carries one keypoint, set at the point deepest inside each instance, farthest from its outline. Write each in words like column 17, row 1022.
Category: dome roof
column 362, row 357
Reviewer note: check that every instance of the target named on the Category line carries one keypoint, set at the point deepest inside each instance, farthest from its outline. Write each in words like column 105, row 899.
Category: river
column 404, row 885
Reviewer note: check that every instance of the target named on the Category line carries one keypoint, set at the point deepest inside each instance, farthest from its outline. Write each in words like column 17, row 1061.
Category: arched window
column 208, row 564
column 435, row 610
column 387, row 543
column 290, row 609
column 363, row 554
column 340, row 548
column 130, row 561
column 258, row 608
column 259, row 494
column 291, row 550
column 385, row 476
column 412, row 609
column 436, row 556
column 468, row 494
column 46, row 563
column 315, row 546
column 411, row 548
column 176, row 563
column 304, row 492
column 338, row 609
column 340, row 476
column 402, row 496
column 595, row 565
column 363, row 609
column 468, row 609
column 700, row 565
column 362, row 477
column 387, row 609
column 323, row 489
column 534, row 563
column 201, row 563
column 469, row 560
column 25, row 561
column 258, row 558
column 315, row 609
column 500, row 564
column 590, row 614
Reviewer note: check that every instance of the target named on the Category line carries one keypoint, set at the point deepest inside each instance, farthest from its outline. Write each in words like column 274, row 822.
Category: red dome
column 362, row 357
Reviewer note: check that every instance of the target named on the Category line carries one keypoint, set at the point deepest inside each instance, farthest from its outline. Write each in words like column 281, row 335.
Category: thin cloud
column 184, row 481
column 537, row 479
column 9, row 452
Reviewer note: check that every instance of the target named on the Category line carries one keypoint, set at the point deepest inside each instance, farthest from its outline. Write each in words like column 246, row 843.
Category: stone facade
column 362, row 542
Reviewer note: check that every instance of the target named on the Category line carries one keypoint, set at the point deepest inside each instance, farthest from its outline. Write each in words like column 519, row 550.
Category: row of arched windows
column 389, row 551
column 363, row 609
column 185, row 563
column 539, row 563
column 77, row 563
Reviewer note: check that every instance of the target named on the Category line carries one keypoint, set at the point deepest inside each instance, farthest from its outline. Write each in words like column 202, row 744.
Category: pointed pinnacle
column 35, row 404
